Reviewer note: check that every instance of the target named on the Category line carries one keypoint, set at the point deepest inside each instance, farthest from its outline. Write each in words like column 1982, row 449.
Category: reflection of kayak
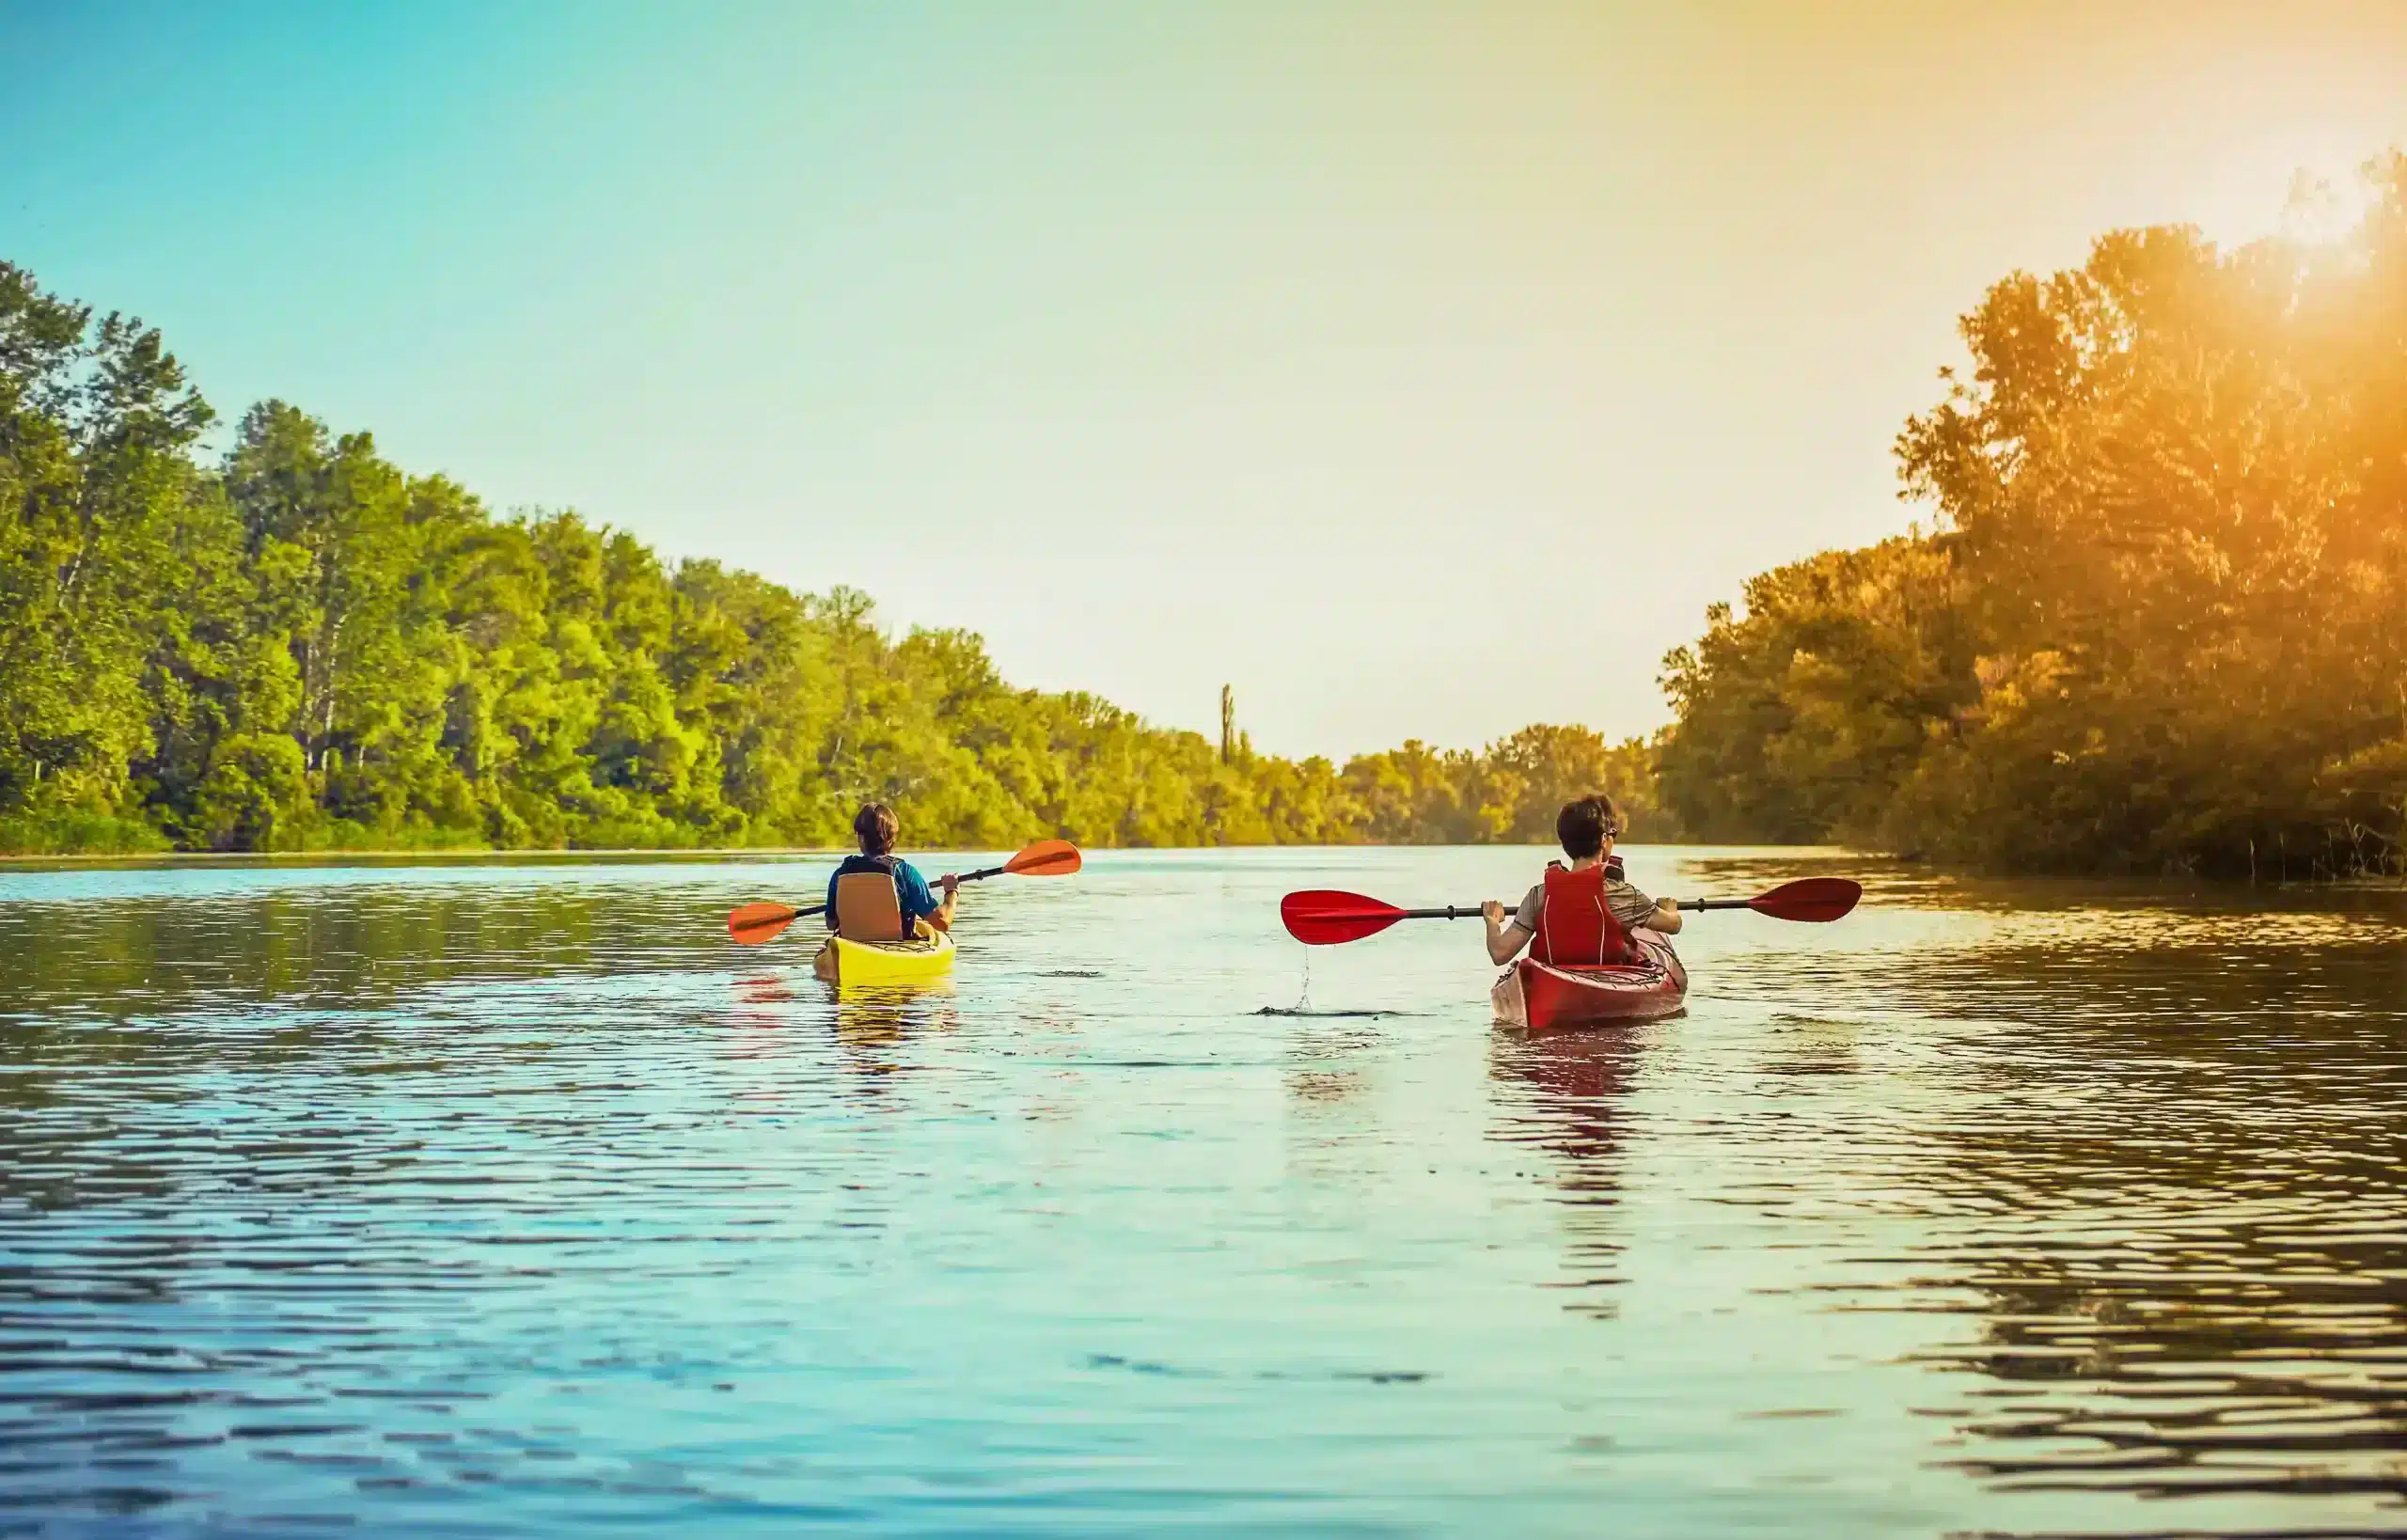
column 843, row 962
column 1537, row 997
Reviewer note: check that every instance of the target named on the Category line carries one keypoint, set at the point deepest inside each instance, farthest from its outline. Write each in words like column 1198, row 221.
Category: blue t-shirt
column 911, row 888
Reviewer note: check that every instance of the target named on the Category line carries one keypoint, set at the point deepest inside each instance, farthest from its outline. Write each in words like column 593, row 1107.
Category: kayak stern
column 842, row 962
column 1538, row 998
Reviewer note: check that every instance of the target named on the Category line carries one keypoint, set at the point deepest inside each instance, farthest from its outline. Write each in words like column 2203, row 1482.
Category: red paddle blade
column 1322, row 917
column 756, row 922
column 1045, row 859
column 1815, row 900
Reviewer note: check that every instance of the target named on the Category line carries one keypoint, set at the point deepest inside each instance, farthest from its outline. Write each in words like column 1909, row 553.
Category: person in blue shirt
column 877, row 829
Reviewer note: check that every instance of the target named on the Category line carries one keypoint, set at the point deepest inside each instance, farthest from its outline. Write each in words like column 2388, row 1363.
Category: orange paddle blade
column 756, row 922
column 1816, row 900
column 1045, row 859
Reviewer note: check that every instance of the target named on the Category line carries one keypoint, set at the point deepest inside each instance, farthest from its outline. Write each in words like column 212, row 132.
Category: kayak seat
column 868, row 908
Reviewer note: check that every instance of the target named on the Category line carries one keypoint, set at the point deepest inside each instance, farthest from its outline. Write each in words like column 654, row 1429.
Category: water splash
column 1304, row 1006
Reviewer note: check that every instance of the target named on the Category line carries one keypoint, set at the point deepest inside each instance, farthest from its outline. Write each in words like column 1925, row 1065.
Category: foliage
column 1508, row 795
column 1798, row 721
column 303, row 647
column 2165, row 626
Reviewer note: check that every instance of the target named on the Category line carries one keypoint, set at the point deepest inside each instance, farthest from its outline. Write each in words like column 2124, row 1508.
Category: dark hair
column 1584, row 825
column 878, row 827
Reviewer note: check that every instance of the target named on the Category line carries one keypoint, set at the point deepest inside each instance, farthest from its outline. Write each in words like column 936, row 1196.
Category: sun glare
column 2323, row 210
column 2301, row 185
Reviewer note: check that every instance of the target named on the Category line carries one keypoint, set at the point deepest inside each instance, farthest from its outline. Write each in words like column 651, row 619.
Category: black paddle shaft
column 1471, row 911
column 1466, row 911
column 1451, row 912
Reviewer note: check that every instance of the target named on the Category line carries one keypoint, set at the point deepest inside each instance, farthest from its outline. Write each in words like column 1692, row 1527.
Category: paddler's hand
column 950, row 883
column 1492, row 912
column 1666, row 917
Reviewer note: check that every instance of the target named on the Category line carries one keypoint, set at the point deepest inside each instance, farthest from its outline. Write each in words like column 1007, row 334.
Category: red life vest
column 1577, row 927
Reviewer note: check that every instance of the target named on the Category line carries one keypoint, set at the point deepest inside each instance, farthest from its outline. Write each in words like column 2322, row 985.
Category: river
column 508, row 1198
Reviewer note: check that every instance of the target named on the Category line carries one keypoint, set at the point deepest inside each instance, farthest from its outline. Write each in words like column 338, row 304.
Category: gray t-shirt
column 1627, row 905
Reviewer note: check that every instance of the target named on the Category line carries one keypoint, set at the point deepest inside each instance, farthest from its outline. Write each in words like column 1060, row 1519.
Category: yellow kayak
column 841, row 962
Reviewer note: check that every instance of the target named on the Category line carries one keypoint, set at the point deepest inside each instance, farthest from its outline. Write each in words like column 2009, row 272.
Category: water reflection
column 1326, row 1060
column 875, row 1023
column 433, row 1202
column 1565, row 1093
column 2160, row 1157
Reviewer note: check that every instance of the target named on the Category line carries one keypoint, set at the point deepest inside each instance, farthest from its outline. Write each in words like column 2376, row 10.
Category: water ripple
column 509, row 1198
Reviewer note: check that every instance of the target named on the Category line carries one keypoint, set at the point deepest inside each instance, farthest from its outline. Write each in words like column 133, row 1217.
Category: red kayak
column 1540, row 998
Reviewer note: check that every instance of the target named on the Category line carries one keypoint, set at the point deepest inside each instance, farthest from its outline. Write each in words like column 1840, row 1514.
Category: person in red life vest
column 1581, row 916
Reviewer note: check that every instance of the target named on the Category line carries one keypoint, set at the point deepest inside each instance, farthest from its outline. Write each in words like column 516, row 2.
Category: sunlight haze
column 1420, row 372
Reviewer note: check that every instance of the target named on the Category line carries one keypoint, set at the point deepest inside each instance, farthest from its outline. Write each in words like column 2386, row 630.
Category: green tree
column 95, row 423
column 303, row 646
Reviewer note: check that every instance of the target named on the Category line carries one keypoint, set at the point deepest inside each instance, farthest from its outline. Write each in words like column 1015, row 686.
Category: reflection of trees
column 871, row 1023
column 1323, row 1069
column 1325, row 1076
column 327, row 987
column 1561, row 1093
column 328, row 1150
column 2169, row 1352
column 2171, row 1181
column 346, row 946
column 1736, row 873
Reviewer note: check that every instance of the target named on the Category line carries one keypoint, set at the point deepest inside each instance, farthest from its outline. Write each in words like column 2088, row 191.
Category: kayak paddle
column 756, row 922
column 1816, row 900
column 1324, row 917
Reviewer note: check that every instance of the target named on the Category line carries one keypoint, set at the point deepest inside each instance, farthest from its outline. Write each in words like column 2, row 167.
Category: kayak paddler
column 914, row 911
column 877, row 829
column 1580, row 915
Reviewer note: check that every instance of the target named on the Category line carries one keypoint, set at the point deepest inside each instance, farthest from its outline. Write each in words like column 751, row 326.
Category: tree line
column 2161, row 622
column 299, row 646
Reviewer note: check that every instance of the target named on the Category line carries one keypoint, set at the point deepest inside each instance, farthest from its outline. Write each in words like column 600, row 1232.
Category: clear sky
column 1421, row 371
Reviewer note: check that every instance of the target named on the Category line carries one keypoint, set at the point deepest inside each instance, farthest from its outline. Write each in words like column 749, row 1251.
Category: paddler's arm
column 942, row 917
column 1505, row 937
column 1666, row 917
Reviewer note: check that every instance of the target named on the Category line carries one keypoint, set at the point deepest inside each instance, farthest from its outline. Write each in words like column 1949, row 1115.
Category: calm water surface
column 511, row 1199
